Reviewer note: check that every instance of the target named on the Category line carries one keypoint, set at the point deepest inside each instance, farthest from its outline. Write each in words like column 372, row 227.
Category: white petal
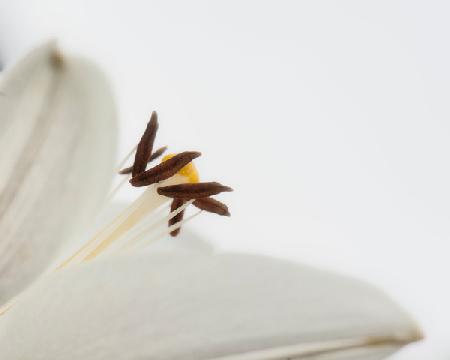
column 57, row 136
column 194, row 307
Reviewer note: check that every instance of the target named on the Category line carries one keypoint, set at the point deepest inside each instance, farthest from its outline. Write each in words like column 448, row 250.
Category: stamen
column 125, row 159
column 128, row 223
column 146, row 204
column 145, row 146
column 193, row 191
column 154, row 156
column 176, row 203
column 145, row 241
column 144, row 215
column 142, row 234
column 179, row 224
column 146, row 225
column 164, row 170
column 212, row 205
column 140, row 204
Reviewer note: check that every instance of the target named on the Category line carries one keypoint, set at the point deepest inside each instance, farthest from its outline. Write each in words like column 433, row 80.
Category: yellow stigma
column 189, row 171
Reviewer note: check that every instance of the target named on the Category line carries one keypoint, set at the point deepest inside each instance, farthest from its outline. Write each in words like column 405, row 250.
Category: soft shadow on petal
column 196, row 307
column 57, row 142
column 188, row 240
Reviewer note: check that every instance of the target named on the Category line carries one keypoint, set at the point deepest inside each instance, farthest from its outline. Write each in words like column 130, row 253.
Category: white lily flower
column 116, row 297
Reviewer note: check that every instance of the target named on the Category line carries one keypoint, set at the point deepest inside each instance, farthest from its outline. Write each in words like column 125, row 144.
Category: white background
column 329, row 118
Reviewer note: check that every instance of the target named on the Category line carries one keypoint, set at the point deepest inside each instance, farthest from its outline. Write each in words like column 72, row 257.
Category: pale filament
column 125, row 159
column 148, row 228
column 141, row 211
column 167, row 230
column 125, row 178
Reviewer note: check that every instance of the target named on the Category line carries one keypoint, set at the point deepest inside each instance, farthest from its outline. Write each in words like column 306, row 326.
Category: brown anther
column 164, row 170
column 176, row 203
column 190, row 191
column 212, row 205
column 157, row 153
column 145, row 146
column 154, row 156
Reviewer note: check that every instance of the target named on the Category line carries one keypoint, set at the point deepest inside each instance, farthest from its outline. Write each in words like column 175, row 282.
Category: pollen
column 189, row 171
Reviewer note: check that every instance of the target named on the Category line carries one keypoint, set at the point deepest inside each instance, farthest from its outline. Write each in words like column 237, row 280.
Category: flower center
column 174, row 183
